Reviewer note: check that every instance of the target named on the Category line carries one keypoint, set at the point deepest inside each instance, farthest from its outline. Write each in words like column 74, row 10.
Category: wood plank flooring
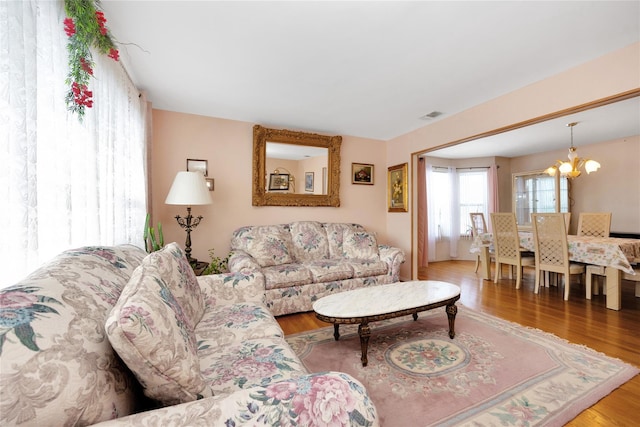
column 580, row 321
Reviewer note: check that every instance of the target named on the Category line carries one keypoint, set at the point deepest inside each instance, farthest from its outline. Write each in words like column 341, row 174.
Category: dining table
column 614, row 253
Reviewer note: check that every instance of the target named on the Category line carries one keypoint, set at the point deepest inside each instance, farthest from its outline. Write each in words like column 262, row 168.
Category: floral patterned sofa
column 306, row 260
column 100, row 333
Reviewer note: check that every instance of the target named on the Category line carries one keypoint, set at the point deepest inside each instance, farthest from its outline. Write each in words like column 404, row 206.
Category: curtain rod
column 470, row 168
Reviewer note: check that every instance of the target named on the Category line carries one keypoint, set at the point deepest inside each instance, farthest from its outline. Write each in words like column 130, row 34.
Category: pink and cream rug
column 492, row 373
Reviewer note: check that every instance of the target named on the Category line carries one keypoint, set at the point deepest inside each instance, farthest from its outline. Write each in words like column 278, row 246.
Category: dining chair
column 634, row 278
column 507, row 245
column 552, row 249
column 479, row 227
column 595, row 224
column 591, row 282
column 567, row 220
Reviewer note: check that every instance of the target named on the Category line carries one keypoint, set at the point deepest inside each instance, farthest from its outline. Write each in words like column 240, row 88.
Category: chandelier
column 571, row 169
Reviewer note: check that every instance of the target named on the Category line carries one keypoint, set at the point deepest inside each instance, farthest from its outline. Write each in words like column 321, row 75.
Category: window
column 537, row 192
column 473, row 196
column 67, row 184
column 453, row 195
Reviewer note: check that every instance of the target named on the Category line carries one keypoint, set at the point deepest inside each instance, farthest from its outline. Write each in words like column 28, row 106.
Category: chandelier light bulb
column 565, row 168
column 591, row 166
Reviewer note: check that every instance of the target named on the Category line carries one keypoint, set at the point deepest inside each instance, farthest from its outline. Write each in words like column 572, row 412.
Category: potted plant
column 217, row 265
column 151, row 242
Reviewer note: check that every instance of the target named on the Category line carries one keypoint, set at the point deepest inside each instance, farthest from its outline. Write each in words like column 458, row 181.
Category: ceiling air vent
column 431, row 115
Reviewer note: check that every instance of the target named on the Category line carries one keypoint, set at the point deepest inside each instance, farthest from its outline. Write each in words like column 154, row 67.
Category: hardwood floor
column 580, row 321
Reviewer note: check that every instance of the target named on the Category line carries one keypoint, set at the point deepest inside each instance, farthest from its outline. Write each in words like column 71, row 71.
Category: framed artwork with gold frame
column 397, row 192
column 362, row 173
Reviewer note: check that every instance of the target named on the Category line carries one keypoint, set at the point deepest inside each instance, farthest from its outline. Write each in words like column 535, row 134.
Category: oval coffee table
column 364, row 305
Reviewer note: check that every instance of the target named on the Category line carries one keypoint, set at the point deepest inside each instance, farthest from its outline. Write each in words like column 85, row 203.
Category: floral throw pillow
column 152, row 334
column 174, row 268
column 269, row 245
column 360, row 245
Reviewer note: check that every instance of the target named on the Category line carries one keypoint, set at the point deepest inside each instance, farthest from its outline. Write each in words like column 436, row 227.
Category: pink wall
column 614, row 188
column 227, row 146
column 611, row 74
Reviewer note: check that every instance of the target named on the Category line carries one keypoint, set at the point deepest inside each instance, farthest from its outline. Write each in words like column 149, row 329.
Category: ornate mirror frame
column 261, row 197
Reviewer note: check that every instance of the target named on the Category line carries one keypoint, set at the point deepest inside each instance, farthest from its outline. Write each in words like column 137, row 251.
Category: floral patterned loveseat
column 100, row 333
column 306, row 260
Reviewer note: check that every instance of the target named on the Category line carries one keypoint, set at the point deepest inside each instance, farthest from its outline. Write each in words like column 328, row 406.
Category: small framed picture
column 308, row 181
column 209, row 183
column 361, row 173
column 278, row 181
column 197, row 165
column 397, row 194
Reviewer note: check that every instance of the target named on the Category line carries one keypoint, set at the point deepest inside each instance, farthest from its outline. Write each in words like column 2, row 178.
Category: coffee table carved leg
column 452, row 310
column 365, row 332
column 336, row 331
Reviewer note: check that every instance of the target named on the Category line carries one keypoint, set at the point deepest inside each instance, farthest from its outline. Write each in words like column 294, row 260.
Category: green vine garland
column 85, row 27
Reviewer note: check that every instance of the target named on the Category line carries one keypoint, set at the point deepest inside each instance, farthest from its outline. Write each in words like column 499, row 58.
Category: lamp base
column 189, row 223
column 199, row 267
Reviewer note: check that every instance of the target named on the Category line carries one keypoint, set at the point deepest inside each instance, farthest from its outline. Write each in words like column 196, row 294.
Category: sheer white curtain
column 63, row 184
column 442, row 209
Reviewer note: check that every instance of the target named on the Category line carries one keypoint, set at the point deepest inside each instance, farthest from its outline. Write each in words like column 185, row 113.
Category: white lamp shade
column 189, row 188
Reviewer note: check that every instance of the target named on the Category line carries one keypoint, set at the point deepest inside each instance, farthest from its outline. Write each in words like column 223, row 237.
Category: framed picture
column 197, row 165
column 308, row 181
column 278, row 181
column 397, row 194
column 361, row 173
column 209, row 183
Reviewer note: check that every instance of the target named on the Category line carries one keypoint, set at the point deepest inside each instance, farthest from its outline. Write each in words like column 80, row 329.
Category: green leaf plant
column 217, row 265
column 151, row 242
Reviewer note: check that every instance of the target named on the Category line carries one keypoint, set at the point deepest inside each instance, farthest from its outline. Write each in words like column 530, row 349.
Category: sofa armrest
column 232, row 288
column 292, row 402
column 240, row 260
column 394, row 257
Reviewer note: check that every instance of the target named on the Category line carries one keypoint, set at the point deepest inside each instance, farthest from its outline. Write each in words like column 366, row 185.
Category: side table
column 199, row 267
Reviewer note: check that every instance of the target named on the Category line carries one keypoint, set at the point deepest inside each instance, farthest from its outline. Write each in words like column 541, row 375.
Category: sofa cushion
column 152, row 334
column 57, row 366
column 269, row 244
column 179, row 277
column 309, row 240
column 335, row 236
column 287, row 275
column 329, row 269
column 254, row 362
column 367, row 268
column 360, row 245
column 234, row 323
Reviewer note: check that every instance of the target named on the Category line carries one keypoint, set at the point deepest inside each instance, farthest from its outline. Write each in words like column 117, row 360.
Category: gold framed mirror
column 298, row 151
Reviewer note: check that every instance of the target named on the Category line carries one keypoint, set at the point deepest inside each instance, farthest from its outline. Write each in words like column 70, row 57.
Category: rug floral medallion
column 493, row 372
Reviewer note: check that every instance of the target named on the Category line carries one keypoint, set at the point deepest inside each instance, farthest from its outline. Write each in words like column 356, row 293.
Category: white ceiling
column 607, row 123
column 367, row 69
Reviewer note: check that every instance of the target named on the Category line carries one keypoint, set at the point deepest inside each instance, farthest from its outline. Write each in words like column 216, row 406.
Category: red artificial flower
column 81, row 95
column 113, row 53
column 86, row 66
column 69, row 27
column 101, row 21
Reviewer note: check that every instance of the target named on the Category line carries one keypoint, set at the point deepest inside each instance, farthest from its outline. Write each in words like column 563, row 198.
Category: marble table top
column 383, row 299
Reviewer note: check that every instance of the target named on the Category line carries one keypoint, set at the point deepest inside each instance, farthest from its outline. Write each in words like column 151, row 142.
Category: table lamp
column 189, row 188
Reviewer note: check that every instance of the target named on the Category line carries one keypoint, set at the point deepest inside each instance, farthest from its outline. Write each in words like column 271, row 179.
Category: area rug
column 492, row 373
